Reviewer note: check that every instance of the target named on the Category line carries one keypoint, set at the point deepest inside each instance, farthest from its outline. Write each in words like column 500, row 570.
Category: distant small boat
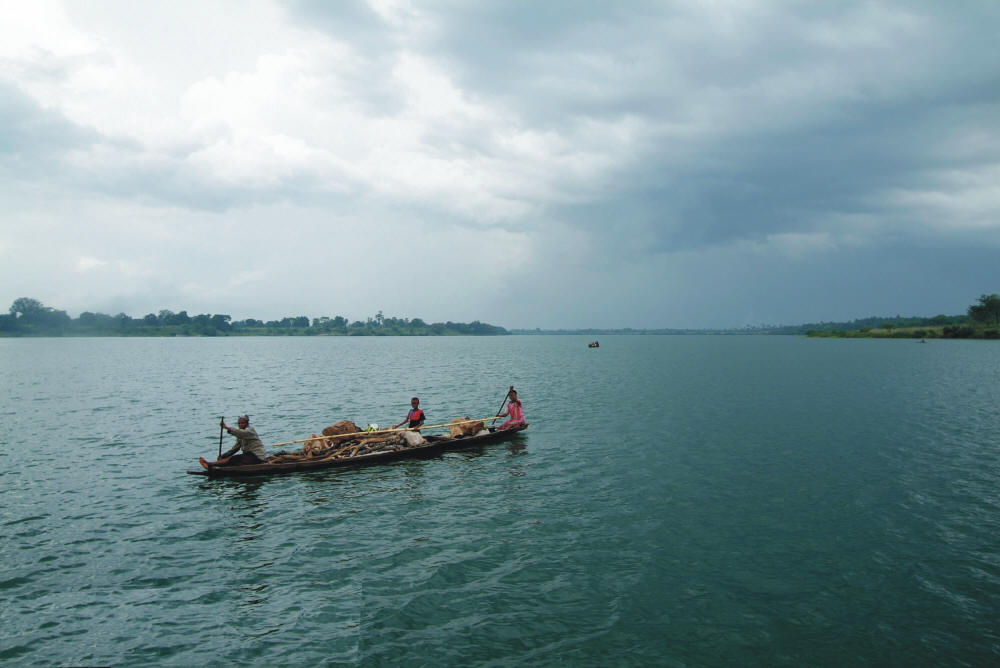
column 593, row 344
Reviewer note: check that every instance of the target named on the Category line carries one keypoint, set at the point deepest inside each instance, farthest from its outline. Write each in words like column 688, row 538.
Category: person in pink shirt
column 515, row 411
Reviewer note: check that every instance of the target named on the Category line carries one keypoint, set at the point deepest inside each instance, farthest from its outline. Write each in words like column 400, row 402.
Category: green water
column 678, row 501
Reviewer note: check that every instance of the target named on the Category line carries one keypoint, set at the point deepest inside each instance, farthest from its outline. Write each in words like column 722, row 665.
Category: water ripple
column 677, row 501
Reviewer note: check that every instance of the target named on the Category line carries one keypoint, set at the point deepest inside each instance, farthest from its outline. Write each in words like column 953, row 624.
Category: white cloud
column 88, row 263
column 31, row 32
column 957, row 199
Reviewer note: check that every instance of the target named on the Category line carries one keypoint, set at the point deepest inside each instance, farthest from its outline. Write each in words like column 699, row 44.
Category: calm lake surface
column 677, row 501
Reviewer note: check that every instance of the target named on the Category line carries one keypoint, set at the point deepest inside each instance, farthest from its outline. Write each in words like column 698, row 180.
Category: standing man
column 246, row 440
column 415, row 416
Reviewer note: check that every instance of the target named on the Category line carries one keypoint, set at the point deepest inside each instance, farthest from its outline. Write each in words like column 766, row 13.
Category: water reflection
column 242, row 491
column 516, row 449
column 251, row 595
column 245, row 560
column 344, row 485
column 242, row 505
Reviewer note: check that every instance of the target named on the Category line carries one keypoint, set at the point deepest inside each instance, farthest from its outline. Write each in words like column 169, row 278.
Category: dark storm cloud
column 33, row 137
column 745, row 123
column 760, row 147
column 752, row 186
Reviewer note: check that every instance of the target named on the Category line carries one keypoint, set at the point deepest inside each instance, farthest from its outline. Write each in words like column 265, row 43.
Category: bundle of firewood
column 338, row 441
column 464, row 427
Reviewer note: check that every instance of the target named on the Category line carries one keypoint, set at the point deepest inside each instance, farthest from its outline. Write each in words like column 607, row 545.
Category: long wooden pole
column 379, row 431
column 221, row 430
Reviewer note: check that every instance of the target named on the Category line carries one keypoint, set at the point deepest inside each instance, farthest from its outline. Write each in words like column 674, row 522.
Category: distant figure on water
column 246, row 440
column 593, row 344
column 415, row 416
column 515, row 411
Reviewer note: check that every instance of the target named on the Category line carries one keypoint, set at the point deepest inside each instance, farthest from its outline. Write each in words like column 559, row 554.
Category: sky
column 559, row 164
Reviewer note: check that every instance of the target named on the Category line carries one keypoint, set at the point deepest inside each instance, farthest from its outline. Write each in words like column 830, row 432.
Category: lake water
column 676, row 501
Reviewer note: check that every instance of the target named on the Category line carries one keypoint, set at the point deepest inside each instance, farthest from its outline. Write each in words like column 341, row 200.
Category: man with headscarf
column 246, row 440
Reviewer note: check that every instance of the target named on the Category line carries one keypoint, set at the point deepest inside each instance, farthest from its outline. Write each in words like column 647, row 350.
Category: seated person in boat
column 246, row 440
column 415, row 416
column 515, row 411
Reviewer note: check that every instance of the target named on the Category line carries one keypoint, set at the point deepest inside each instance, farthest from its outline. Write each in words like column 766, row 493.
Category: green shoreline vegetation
column 982, row 321
column 29, row 317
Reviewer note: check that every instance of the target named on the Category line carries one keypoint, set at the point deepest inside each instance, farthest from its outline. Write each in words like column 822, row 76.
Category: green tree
column 96, row 322
column 987, row 310
column 25, row 307
column 32, row 315
column 222, row 322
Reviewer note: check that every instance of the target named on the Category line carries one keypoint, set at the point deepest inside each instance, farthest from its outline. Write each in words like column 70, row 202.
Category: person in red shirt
column 415, row 416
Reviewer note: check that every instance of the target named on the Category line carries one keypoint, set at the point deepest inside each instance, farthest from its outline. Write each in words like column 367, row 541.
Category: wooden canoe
column 435, row 444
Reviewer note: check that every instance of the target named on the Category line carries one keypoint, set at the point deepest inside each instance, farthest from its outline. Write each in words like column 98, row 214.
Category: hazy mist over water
column 677, row 500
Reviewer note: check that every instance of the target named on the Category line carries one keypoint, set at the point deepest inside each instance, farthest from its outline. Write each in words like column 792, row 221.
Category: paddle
column 221, row 431
column 504, row 403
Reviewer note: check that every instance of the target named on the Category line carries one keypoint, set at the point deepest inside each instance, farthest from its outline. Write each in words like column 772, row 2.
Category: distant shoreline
column 245, row 333
column 953, row 332
column 957, row 332
column 28, row 317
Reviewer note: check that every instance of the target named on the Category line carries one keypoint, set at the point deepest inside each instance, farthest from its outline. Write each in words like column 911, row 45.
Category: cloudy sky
column 528, row 164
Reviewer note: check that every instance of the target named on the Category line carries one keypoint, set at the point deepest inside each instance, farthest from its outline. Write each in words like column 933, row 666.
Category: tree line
column 30, row 317
column 981, row 321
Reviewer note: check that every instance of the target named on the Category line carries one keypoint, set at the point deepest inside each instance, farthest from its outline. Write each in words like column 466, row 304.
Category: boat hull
column 435, row 444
